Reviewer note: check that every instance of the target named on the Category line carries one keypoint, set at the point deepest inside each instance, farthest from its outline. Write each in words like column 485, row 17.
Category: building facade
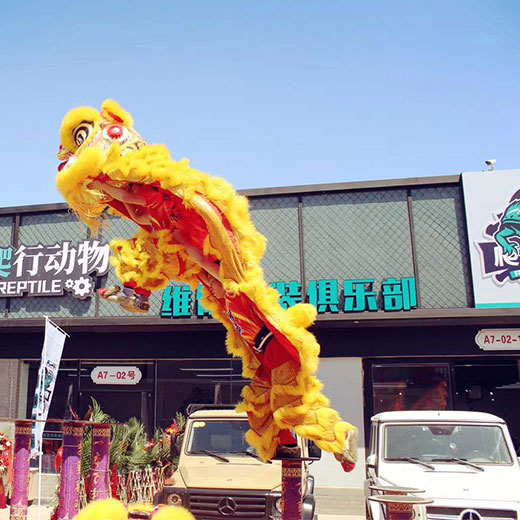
column 387, row 264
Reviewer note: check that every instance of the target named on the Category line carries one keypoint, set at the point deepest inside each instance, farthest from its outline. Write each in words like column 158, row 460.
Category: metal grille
column 277, row 219
column 453, row 513
column 49, row 229
column 122, row 229
column 357, row 235
column 206, row 505
column 5, row 240
column 442, row 247
column 6, row 224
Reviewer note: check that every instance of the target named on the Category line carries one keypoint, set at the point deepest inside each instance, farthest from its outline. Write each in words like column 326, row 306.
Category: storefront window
column 410, row 387
column 195, row 381
column 153, row 391
column 490, row 386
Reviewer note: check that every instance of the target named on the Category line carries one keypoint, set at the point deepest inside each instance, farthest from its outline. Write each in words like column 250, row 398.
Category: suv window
column 441, row 442
column 219, row 436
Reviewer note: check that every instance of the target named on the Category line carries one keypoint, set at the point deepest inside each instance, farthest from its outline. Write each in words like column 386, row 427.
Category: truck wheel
column 309, row 507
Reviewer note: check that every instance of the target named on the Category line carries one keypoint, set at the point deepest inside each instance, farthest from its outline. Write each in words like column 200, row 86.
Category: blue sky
column 267, row 93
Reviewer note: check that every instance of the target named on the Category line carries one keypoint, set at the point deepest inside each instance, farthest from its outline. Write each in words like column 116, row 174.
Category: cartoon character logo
column 500, row 256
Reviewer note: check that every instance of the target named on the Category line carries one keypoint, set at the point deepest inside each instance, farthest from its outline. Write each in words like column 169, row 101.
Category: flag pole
column 57, row 326
column 40, row 401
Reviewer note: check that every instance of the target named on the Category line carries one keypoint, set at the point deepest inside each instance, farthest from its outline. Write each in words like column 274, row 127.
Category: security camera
column 491, row 163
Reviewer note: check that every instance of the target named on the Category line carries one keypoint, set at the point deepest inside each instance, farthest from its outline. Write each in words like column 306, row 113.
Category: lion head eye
column 81, row 133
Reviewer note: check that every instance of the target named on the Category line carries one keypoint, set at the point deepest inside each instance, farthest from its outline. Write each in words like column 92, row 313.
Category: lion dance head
column 90, row 141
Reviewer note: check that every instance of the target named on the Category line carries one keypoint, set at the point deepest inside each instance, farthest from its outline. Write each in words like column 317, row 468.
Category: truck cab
column 219, row 475
column 464, row 461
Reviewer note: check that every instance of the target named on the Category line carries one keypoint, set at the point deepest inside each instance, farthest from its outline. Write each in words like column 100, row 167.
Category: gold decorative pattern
column 69, row 429
column 100, row 431
column 23, row 430
column 291, row 472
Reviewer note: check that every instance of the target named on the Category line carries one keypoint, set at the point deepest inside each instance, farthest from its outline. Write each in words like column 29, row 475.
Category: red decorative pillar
column 22, row 451
column 70, row 470
column 99, row 477
column 292, row 487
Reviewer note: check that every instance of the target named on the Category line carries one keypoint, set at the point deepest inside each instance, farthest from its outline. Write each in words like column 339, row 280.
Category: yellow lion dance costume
column 112, row 509
column 196, row 229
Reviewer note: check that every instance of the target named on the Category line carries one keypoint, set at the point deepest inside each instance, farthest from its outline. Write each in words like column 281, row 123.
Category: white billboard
column 492, row 202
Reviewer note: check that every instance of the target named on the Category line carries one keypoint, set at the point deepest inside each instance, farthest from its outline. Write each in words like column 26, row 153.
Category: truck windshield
column 446, row 443
column 221, row 437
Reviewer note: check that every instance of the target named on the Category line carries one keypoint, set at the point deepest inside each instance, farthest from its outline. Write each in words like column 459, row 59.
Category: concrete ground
column 46, row 512
column 340, row 517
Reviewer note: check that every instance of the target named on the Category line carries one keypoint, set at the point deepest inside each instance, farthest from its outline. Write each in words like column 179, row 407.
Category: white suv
column 464, row 461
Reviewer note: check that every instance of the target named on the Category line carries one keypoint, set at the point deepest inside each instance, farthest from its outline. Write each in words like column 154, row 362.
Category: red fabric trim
column 286, row 437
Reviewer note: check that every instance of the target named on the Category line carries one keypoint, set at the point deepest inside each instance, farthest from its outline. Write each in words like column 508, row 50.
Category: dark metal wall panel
column 346, row 235
column 6, row 224
column 357, row 235
column 51, row 228
column 277, row 219
column 442, row 247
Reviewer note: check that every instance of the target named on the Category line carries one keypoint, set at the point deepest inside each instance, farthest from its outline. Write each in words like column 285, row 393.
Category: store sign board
column 498, row 339
column 492, row 201
column 41, row 270
column 116, row 375
column 328, row 296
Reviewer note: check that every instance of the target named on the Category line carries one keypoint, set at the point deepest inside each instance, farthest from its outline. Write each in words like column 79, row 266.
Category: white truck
column 220, row 476
column 464, row 461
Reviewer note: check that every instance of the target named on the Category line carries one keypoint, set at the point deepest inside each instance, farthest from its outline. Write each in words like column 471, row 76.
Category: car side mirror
column 372, row 461
column 176, row 444
column 314, row 450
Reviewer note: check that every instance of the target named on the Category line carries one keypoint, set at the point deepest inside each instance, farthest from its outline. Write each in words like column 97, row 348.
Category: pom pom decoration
column 107, row 509
column 112, row 509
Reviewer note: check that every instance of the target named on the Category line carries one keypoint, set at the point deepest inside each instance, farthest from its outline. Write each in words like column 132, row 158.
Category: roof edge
column 281, row 191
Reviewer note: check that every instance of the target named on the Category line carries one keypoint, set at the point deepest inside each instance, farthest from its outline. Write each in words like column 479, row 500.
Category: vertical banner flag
column 50, row 363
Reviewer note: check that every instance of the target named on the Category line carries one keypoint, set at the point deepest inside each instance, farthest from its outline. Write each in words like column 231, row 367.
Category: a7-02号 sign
column 116, row 375
column 498, row 339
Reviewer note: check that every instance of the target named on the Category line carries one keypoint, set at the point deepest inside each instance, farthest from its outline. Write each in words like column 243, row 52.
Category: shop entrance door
column 121, row 405
column 123, row 389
